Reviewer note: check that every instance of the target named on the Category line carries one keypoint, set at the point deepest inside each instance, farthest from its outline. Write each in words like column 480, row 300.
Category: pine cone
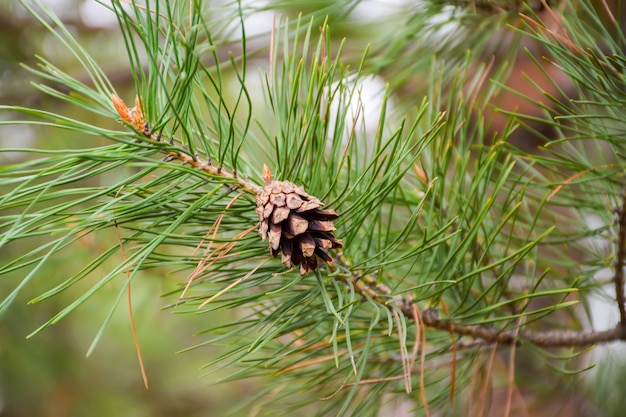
column 294, row 223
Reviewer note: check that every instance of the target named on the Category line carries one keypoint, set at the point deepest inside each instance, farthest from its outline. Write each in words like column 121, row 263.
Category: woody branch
column 369, row 287
column 134, row 117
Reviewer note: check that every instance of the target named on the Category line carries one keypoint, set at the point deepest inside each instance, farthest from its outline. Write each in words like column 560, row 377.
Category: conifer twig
column 134, row 117
column 367, row 286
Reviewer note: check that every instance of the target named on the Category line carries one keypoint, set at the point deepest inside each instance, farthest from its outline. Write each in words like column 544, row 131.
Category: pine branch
column 134, row 117
column 427, row 215
column 553, row 338
column 367, row 286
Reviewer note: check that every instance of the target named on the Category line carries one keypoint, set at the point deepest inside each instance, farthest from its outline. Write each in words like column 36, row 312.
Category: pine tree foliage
column 455, row 242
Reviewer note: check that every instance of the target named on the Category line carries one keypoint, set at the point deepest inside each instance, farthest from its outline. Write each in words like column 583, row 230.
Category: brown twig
column 367, row 286
column 553, row 338
column 134, row 117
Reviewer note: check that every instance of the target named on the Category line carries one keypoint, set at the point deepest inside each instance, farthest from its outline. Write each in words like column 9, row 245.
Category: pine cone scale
column 324, row 256
column 268, row 210
column 307, row 245
column 294, row 201
column 324, row 215
column 263, row 228
column 278, row 199
column 323, row 243
column 280, row 214
column 274, row 237
column 322, row 226
column 286, row 253
column 297, row 224
column 309, row 205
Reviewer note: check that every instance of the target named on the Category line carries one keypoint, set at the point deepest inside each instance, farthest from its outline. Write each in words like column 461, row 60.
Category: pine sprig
column 134, row 117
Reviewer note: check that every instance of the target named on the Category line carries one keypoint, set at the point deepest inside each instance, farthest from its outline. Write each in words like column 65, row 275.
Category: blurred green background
column 49, row 374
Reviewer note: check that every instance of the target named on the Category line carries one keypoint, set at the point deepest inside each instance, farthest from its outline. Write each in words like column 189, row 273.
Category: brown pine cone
column 294, row 223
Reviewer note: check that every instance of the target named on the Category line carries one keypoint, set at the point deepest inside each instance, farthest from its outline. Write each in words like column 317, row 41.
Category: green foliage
column 432, row 210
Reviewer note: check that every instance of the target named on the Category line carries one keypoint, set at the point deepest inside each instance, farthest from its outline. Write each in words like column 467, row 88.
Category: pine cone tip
column 267, row 174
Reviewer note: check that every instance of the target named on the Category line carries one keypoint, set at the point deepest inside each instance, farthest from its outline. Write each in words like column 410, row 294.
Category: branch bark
column 367, row 286
column 134, row 117
column 552, row 338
